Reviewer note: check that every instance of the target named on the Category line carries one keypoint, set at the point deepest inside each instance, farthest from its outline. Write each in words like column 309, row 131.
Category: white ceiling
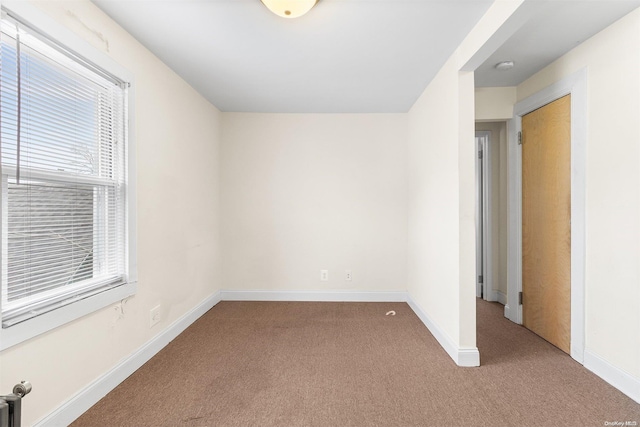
column 344, row 56
column 556, row 28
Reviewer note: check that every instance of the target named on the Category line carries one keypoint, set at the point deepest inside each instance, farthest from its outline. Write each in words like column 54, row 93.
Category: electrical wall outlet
column 347, row 275
column 324, row 275
column 154, row 316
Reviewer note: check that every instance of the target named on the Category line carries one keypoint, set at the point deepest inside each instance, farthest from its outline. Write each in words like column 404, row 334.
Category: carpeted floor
column 347, row 364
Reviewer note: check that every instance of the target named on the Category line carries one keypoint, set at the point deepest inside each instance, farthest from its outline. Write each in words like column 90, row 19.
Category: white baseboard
column 508, row 313
column 468, row 357
column 498, row 296
column 461, row 356
column 623, row 381
column 492, row 296
column 325, row 296
column 91, row 394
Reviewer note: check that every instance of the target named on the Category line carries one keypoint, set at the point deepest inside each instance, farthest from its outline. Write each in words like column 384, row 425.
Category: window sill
column 46, row 322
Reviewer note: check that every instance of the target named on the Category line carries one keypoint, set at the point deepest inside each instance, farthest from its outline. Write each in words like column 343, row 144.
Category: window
column 66, row 206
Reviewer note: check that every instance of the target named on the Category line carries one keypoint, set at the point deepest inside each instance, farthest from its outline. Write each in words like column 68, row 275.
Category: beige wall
column 390, row 197
column 466, row 213
column 499, row 201
column 305, row 192
column 433, row 264
column 612, row 60
column 441, row 244
column 177, row 137
column 494, row 103
column 441, row 255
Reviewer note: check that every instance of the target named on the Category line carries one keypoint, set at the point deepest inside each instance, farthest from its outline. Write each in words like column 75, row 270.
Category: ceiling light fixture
column 504, row 65
column 289, row 8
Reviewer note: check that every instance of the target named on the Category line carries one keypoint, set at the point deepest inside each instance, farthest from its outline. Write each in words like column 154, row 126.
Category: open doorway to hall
column 491, row 211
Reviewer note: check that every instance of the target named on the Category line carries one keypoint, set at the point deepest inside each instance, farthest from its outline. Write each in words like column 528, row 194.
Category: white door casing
column 576, row 85
column 484, row 253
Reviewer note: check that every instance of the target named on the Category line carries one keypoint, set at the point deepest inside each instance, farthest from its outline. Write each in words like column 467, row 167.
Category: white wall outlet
column 154, row 316
column 324, row 275
column 347, row 275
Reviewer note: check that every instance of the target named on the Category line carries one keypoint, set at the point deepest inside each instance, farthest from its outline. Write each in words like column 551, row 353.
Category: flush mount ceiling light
column 504, row 65
column 290, row 8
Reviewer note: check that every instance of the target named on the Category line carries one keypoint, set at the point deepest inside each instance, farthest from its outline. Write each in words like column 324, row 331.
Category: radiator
column 11, row 405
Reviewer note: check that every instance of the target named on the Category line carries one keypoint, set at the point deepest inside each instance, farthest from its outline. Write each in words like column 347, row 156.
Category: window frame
column 53, row 30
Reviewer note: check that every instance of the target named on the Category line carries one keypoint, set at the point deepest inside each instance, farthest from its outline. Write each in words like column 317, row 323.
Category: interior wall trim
column 320, row 296
column 461, row 356
column 467, row 357
column 575, row 85
column 70, row 410
column 78, row 404
column 623, row 381
column 501, row 297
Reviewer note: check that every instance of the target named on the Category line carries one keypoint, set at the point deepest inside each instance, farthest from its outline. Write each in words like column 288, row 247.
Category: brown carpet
column 347, row 364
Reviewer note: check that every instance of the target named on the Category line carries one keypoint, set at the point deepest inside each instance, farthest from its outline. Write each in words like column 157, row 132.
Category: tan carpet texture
column 349, row 364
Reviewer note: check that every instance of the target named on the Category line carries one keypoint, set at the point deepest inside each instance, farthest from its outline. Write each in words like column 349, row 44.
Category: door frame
column 483, row 216
column 576, row 85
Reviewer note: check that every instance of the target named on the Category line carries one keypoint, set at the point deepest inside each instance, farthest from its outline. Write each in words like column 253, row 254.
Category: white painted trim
column 513, row 310
column 70, row 410
column 623, row 381
column 487, row 229
column 479, row 214
column 484, row 253
column 508, row 313
column 579, row 122
column 576, row 85
column 468, row 357
column 50, row 320
column 461, row 356
column 92, row 393
column 501, row 297
column 48, row 27
column 327, row 296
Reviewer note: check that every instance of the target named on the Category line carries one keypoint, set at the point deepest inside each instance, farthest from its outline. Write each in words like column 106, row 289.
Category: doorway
column 546, row 222
column 491, row 211
column 484, row 280
column 576, row 86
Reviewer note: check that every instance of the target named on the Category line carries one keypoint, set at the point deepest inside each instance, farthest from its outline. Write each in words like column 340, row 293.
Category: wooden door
column 546, row 222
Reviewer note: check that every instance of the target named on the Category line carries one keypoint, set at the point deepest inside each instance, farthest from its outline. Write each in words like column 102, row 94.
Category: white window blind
column 64, row 176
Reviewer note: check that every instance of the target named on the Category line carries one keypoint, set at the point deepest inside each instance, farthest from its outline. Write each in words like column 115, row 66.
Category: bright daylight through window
column 63, row 129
